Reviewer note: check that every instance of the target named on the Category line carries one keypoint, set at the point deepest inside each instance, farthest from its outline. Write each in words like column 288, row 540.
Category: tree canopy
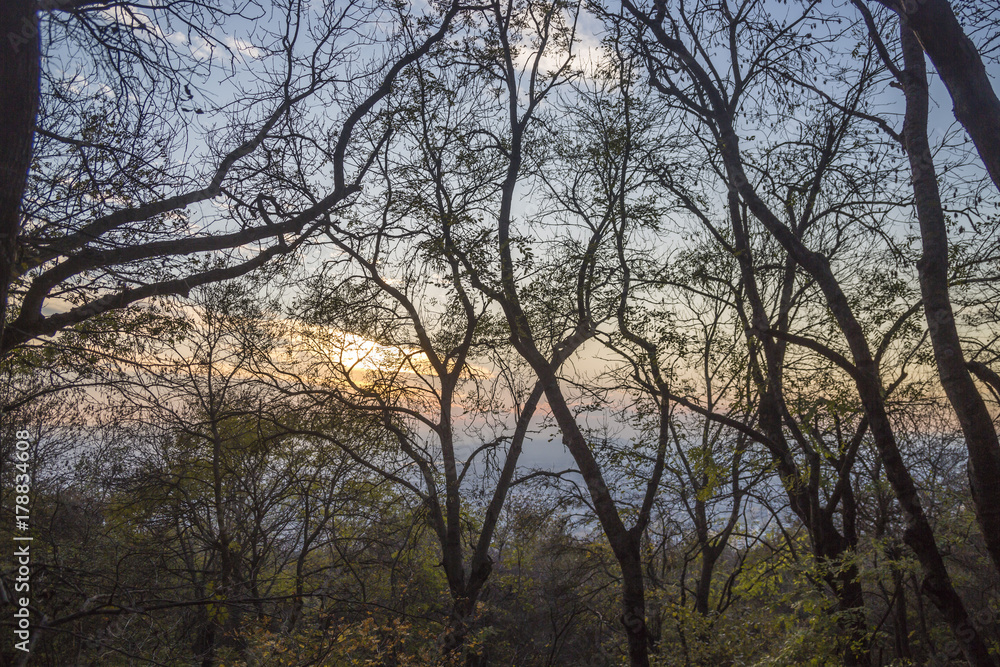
column 503, row 333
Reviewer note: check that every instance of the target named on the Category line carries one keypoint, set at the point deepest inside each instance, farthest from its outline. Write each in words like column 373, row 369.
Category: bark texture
column 960, row 66
column 19, row 81
column 977, row 426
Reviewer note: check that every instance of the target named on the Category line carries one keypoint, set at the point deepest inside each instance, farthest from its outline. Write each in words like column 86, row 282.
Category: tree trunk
column 481, row 565
column 634, row 606
column 846, row 584
column 19, row 79
column 703, row 588
column 961, row 68
column 918, row 535
column 977, row 426
column 829, row 546
column 901, row 630
column 624, row 544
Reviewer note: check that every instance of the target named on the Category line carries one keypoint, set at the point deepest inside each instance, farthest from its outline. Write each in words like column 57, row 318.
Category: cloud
column 134, row 19
column 177, row 38
column 242, row 47
column 79, row 84
column 588, row 53
column 201, row 48
column 238, row 49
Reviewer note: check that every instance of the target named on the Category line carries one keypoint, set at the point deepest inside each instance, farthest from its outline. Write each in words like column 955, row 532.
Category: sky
column 233, row 72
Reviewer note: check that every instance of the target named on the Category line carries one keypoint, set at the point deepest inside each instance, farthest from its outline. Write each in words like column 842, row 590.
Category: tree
column 19, row 64
column 977, row 424
column 382, row 338
column 108, row 216
column 211, row 518
column 584, row 273
column 960, row 66
column 690, row 78
column 685, row 252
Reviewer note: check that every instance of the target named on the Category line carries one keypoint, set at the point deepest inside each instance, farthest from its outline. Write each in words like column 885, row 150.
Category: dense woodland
column 537, row 332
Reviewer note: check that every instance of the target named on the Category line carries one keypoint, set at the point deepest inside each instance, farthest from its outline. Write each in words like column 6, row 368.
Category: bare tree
column 690, row 76
column 960, row 65
column 935, row 275
column 109, row 224
column 392, row 330
column 547, row 325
